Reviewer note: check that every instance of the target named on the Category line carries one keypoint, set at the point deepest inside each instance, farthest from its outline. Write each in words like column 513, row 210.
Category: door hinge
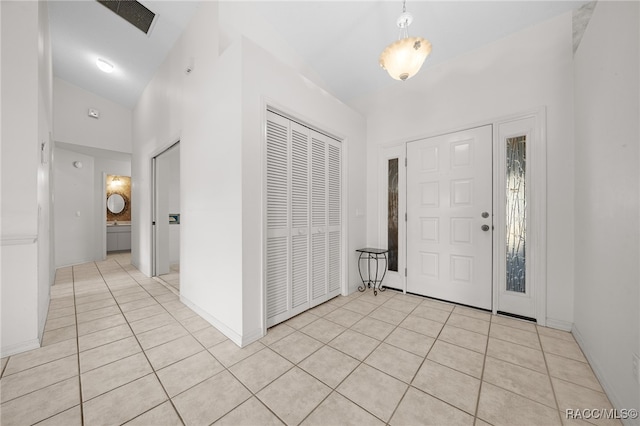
column 405, row 161
column 405, row 272
column 405, row 217
column 153, row 223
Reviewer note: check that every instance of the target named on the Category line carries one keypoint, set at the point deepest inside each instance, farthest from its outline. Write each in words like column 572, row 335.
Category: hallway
column 144, row 357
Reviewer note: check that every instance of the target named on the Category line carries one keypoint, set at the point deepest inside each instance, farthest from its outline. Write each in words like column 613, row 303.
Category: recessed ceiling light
column 104, row 65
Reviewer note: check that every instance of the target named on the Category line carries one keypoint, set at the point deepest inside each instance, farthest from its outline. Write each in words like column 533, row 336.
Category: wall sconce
column 116, row 181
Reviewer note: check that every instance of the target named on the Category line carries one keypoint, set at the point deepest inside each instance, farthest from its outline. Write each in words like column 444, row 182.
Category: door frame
column 386, row 153
column 536, row 175
column 537, row 253
column 269, row 104
column 103, row 232
column 154, row 156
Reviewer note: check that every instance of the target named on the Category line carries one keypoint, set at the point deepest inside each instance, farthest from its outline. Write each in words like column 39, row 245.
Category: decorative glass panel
column 392, row 215
column 516, row 213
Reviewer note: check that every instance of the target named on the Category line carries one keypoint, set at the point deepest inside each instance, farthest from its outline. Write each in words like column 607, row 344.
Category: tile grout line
column 153, row 369
column 332, row 389
column 553, row 389
column 205, row 349
column 484, row 363
column 424, row 359
column 225, row 368
column 396, row 326
column 253, row 395
column 73, row 286
column 39, row 389
column 98, row 331
column 360, row 362
column 323, row 344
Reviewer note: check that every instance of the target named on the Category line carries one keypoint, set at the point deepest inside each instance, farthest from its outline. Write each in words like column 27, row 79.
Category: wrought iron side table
column 372, row 254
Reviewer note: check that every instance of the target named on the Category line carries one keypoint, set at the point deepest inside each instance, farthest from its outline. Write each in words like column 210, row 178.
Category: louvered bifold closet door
column 288, row 216
column 300, row 217
column 325, row 218
column 318, row 217
column 303, row 218
column 335, row 216
column 278, row 277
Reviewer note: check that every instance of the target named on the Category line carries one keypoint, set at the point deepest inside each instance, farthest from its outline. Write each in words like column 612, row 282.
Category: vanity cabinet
column 118, row 237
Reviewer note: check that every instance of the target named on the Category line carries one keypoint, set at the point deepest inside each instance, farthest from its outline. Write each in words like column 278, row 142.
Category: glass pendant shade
column 402, row 59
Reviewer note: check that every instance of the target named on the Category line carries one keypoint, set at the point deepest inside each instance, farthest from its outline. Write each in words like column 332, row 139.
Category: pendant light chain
column 404, row 27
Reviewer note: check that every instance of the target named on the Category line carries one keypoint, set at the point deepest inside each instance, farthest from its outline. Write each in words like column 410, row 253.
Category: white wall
column 174, row 207
column 158, row 123
column 104, row 140
column 516, row 74
column 268, row 81
column 25, row 174
column 72, row 123
column 607, row 227
column 210, row 167
column 75, row 217
column 220, row 135
column 80, row 239
column 238, row 19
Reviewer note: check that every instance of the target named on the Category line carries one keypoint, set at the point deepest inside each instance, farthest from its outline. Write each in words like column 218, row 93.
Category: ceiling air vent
column 131, row 11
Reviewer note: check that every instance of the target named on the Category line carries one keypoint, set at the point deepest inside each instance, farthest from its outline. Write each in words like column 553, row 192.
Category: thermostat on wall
column 94, row 113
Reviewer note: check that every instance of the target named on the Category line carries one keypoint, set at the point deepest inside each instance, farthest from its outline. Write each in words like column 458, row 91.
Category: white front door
column 449, row 223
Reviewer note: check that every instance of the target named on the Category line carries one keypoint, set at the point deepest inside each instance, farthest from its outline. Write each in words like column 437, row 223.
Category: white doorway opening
column 166, row 216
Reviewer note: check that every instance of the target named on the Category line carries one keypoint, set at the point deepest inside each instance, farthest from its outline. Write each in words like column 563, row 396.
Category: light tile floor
column 121, row 348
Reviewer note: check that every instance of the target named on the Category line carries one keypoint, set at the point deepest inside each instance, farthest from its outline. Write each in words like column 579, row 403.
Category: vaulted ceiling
column 339, row 41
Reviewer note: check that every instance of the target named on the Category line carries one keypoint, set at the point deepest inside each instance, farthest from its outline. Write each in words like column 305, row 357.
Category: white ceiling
column 82, row 31
column 339, row 41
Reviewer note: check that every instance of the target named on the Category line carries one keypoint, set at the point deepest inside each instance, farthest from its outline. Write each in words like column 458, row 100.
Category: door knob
column 485, row 214
column 485, row 228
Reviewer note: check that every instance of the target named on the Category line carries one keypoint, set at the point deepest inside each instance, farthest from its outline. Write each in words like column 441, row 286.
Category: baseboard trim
column 19, row 347
column 76, row 262
column 252, row 337
column 597, row 370
column 559, row 324
column 231, row 334
column 43, row 318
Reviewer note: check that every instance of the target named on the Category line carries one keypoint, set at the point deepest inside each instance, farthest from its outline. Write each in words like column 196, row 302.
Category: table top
column 372, row 250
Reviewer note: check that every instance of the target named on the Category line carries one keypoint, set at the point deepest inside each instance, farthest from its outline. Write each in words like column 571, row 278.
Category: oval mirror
column 115, row 203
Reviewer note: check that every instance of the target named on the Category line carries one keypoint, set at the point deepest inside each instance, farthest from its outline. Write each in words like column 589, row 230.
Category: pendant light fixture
column 403, row 58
